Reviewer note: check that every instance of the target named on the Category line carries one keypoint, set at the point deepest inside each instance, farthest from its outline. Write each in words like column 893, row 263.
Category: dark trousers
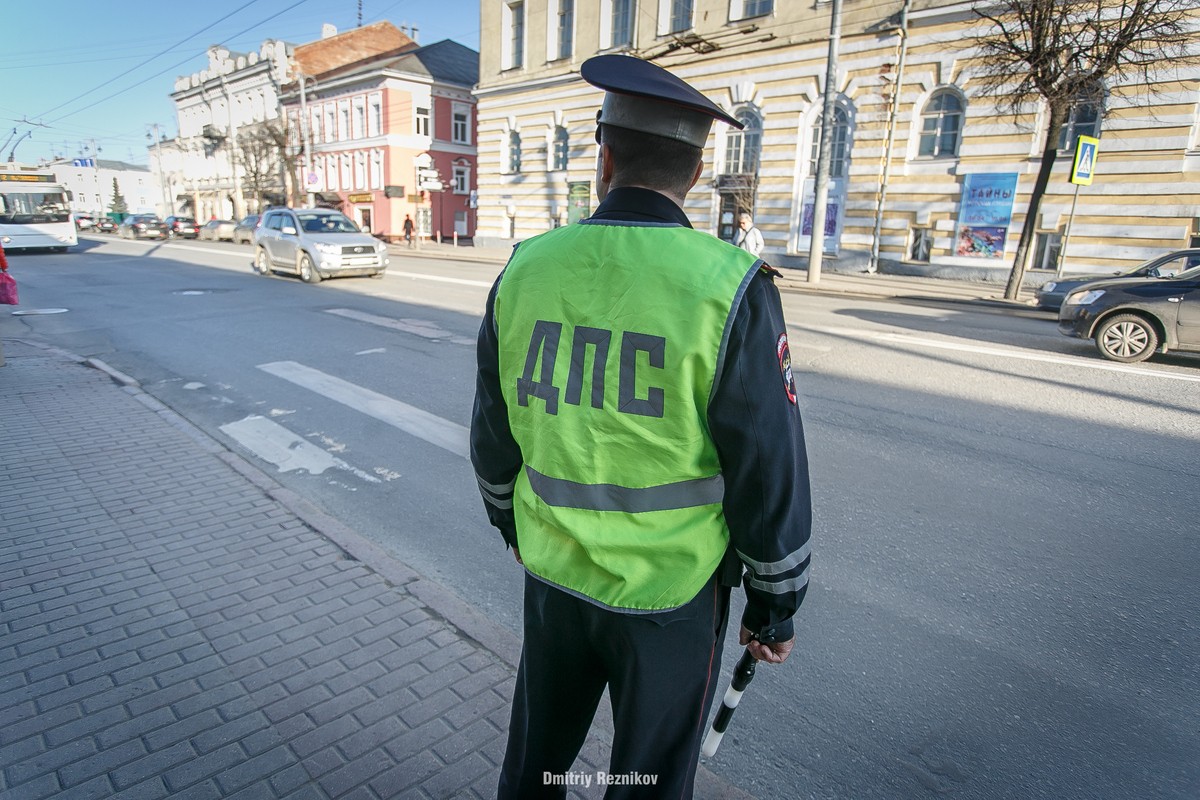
column 661, row 670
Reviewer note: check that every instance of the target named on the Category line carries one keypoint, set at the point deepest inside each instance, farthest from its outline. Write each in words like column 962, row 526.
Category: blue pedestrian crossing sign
column 1084, row 168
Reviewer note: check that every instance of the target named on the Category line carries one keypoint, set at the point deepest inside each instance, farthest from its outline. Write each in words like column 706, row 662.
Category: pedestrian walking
column 748, row 237
column 408, row 230
column 638, row 444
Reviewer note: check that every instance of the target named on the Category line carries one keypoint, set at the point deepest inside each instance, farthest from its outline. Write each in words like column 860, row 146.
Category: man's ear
column 607, row 165
column 696, row 176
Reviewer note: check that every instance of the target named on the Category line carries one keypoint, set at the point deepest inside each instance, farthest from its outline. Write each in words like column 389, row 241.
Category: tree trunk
column 1054, row 123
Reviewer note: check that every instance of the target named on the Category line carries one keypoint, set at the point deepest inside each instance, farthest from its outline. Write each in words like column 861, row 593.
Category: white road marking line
column 442, row 279
column 1023, row 355
column 443, row 433
column 276, row 445
column 418, row 327
column 372, row 351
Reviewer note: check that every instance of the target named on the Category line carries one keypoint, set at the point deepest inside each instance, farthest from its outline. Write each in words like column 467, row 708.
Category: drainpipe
column 816, row 247
column 873, row 263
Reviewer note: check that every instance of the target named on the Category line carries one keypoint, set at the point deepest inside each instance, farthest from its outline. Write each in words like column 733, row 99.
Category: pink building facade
column 390, row 137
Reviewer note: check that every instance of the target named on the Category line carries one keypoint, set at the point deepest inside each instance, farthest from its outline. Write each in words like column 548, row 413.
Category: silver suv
column 315, row 243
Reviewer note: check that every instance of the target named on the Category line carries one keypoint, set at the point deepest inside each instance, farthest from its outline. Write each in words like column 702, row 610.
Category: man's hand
column 775, row 653
column 517, row 556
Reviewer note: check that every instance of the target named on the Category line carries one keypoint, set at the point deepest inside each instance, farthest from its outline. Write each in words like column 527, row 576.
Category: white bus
column 35, row 212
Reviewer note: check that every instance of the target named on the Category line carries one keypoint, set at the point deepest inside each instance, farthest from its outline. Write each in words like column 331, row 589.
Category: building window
column 514, row 151
column 920, row 244
column 1046, row 252
column 462, row 180
column 359, row 120
column 561, row 149
column 360, row 170
column 1083, row 119
column 375, row 117
column 331, row 174
column 681, row 16
column 839, row 161
column 742, row 9
column 343, row 120
column 421, row 120
column 622, row 23
column 461, row 128
column 330, row 122
column 319, row 171
column 314, row 119
column 742, row 147
column 565, row 39
column 376, row 169
column 512, row 55
column 347, row 172
column 941, row 125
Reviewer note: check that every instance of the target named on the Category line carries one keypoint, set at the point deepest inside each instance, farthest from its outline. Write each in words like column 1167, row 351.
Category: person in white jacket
column 748, row 237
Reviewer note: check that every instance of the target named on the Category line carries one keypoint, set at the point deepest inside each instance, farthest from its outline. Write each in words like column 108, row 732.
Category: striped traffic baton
column 743, row 673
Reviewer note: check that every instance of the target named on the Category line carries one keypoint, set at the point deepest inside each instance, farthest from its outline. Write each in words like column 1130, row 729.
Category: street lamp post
column 816, row 247
column 166, row 204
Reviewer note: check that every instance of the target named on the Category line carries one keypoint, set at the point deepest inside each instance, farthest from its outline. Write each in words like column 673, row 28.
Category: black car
column 1051, row 295
column 106, row 225
column 183, row 227
column 244, row 232
column 140, row 226
column 1132, row 318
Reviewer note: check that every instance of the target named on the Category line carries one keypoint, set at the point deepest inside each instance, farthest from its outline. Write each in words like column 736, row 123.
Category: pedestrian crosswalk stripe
column 414, row 421
column 417, row 327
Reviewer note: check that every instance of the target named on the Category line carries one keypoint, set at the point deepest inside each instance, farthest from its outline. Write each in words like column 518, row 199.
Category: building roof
column 446, row 61
column 358, row 44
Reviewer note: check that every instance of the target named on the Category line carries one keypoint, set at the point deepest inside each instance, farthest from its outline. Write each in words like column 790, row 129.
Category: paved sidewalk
column 173, row 623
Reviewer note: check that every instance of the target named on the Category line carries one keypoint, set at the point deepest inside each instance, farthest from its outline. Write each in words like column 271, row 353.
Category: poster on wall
column 579, row 196
column 985, row 214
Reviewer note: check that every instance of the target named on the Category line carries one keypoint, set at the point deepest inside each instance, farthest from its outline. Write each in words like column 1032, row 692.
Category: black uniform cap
column 645, row 97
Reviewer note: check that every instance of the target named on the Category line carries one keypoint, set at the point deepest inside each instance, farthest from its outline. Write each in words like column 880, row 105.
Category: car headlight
column 329, row 249
column 1084, row 298
column 1049, row 287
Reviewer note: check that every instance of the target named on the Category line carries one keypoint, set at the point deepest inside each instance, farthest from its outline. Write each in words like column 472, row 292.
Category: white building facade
column 91, row 182
column 205, row 166
column 764, row 62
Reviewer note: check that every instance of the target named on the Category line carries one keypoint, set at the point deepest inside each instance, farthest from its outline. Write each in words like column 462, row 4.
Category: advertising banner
column 985, row 214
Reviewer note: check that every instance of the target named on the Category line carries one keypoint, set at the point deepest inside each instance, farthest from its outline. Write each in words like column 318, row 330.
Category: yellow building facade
column 957, row 159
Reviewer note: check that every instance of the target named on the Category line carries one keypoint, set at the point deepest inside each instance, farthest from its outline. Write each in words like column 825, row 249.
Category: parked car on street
column 316, row 243
column 1051, row 295
column 83, row 221
column 139, row 226
column 1132, row 318
column 218, row 230
column 106, row 225
column 183, row 227
column 244, row 232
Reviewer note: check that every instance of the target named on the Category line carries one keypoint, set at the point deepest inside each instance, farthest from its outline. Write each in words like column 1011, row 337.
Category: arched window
column 941, row 125
column 742, row 148
column 839, row 162
column 562, row 143
column 514, row 151
column 1083, row 118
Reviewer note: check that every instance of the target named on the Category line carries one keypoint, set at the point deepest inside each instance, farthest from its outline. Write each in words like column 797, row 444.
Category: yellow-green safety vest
column 611, row 338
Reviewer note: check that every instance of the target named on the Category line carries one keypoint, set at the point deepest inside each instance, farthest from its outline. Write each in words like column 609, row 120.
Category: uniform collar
column 631, row 202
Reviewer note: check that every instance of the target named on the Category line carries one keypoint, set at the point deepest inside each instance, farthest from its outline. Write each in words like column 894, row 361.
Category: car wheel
column 1126, row 338
column 308, row 273
column 262, row 263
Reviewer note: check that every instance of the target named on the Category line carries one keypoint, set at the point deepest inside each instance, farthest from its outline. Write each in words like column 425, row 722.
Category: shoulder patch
column 784, row 354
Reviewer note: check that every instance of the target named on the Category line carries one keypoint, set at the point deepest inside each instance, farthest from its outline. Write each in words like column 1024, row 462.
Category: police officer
column 638, row 444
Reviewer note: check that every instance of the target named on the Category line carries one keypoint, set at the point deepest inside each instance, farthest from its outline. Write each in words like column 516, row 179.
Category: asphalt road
column 1003, row 593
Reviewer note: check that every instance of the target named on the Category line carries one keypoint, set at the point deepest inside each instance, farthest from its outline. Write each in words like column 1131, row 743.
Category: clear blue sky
column 61, row 56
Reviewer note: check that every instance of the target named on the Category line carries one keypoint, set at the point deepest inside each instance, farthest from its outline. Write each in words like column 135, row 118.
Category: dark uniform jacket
column 755, row 423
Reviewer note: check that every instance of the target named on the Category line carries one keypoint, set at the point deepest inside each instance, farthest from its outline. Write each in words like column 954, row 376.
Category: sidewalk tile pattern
column 169, row 630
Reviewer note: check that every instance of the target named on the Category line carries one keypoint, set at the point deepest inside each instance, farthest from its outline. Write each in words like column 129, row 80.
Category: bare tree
column 282, row 139
column 1063, row 53
column 261, row 162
